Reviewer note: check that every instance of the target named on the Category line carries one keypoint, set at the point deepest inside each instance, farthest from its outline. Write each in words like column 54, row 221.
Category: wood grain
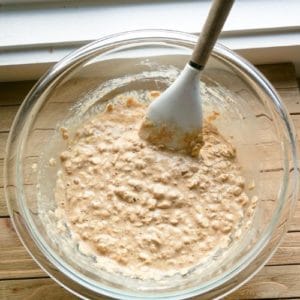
column 3, row 208
column 271, row 282
column 267, row 284
column 7, row 114
column 1, row 173
column 281, row 75
column 33, row 289
column 3, row 139
column 291, row 98
column 15, row 262
column 13, row 93
column 20, row 276
column 288, row 252
column 295, row 220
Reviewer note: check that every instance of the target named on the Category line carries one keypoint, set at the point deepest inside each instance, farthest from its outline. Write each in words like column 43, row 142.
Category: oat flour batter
column 143, row 207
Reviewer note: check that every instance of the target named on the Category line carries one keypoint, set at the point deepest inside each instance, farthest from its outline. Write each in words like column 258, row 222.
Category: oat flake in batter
column 145, row 208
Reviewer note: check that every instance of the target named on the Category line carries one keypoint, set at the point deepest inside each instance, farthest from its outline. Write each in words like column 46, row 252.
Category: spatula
column 175, row 117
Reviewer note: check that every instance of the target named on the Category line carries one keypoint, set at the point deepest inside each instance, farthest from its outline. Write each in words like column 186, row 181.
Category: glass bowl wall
column 251, row 116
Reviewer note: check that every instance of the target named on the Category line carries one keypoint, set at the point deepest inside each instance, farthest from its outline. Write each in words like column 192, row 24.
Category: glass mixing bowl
column 251, row 116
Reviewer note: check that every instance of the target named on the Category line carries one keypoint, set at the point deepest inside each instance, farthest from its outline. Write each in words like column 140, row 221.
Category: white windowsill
column 34, row 36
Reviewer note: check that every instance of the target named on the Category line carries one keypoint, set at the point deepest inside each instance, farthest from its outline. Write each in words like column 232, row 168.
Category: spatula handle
column 211, row 30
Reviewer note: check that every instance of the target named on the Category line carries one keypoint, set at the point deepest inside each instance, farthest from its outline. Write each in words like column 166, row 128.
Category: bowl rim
column 76, row 58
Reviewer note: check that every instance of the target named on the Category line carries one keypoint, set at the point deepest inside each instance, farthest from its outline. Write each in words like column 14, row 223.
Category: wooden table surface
column 21, row 278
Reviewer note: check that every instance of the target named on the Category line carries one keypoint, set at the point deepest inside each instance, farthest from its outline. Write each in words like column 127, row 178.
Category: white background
column 36, row 34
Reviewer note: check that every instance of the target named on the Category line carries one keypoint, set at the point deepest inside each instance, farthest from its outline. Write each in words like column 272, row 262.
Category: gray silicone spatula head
column 175, row 117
